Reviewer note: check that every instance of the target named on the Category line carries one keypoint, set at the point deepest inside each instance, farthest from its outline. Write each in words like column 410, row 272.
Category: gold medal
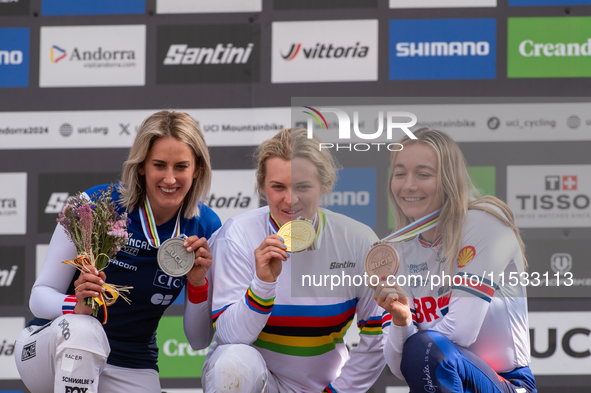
column 297, row 235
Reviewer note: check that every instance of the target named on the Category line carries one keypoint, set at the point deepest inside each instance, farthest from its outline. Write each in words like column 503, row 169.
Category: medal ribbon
column 149, row 224
column 413, row 229
column 319, row 223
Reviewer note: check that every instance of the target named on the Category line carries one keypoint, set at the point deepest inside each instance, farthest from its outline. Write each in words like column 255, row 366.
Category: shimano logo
column 347, row 198
column 455, row 48
column 221, row 54
column 13, row 57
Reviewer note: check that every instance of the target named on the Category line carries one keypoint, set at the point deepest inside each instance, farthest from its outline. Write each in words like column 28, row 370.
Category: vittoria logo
column 326, row 51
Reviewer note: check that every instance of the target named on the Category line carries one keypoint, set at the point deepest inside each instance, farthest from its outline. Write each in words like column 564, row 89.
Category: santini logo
column 466, row 48
column 323, row 51
column 221, row 54
column 345, row 128
column 57, row 53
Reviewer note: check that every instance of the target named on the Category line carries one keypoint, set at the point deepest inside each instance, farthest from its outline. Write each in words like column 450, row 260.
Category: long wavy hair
column 457, row 191
column 178, row 125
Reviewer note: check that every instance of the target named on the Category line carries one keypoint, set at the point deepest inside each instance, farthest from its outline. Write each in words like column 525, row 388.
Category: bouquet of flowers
column 98, row 232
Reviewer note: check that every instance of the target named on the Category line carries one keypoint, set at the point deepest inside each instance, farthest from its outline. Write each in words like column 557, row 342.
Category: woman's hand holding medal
column 269, row 258
column 394, row 300
column 196, row 275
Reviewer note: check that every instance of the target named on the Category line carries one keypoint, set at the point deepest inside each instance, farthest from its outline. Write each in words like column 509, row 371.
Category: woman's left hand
column 196, row 275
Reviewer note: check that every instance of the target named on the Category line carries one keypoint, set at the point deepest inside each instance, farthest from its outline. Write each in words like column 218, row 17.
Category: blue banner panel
column 442, row 49
column 14, row 57
column 92, row 7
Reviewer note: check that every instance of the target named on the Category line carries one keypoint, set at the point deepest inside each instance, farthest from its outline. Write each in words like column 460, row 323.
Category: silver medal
column 174, row 259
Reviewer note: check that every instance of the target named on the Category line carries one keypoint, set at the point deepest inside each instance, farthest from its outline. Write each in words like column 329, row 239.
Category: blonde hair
column 457, row 191
column 294, row 142
column 182, row 127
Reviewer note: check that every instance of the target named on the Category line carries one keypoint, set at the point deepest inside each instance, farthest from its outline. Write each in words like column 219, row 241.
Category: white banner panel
column 324, row 51
column 10, row 328
column 232, row 192
column 510, row 122
column 13, row 203
column 92, row 56
column 442, row 3
column 40, row 252
column 561, row 343
column 112, row 129
column 192, row 6
column 550, row 196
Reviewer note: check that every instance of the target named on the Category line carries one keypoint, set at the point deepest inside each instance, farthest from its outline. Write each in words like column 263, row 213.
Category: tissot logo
column 550, row 196
column 324, row 51
column 443, row 49
column 208, row 54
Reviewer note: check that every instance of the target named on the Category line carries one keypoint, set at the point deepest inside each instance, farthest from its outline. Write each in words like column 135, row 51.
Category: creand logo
column 325, row 51
column 345, row 123
column 529, row 48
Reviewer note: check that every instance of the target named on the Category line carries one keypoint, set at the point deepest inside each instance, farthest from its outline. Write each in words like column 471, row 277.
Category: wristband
column 195, row 294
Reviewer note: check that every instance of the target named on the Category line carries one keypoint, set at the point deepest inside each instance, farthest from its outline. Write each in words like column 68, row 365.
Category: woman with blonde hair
column 458, row 325
column 273, row 332
column 64, row 348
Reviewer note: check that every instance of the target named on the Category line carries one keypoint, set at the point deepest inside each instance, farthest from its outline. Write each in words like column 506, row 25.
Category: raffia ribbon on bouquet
column 112, row 291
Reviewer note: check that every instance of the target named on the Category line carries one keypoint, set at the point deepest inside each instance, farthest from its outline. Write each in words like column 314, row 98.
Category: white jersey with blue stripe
column 481, row 310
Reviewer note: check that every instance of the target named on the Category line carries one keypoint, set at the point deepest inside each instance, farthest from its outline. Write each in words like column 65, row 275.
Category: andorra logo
column 57, row 53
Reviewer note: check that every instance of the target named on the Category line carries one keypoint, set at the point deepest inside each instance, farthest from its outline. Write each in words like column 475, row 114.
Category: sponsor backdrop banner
column 232, row 192
column 13, row 203
column 208, row 54
column 92, row 56
column 12, row 275
column 56, row 188
column 548, row 47
column 10, row 328
column 324, row 51
column 561, row 343
column 111, row 129
column 14, row 56
column 192, row 6
column 443, row 49
column 441, row 3
column 176, row 358
column 550, row 196
column 354, row 195
column 92, row 7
